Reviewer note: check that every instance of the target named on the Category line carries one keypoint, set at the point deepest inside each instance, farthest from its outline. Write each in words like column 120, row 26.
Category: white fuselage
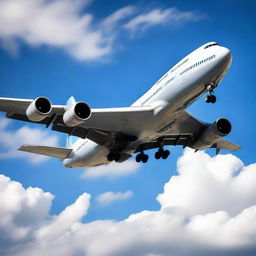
column 170, row 95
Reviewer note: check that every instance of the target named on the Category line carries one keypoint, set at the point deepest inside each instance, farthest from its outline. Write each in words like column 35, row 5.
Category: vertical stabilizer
column 71, row 139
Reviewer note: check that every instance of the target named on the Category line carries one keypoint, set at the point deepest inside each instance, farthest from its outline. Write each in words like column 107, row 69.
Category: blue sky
column 132, row 62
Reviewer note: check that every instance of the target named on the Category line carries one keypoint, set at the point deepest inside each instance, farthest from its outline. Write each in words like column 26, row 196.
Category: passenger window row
column 197, row 64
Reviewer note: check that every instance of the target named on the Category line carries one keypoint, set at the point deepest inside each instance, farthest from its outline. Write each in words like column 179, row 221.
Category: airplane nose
column 226, row 54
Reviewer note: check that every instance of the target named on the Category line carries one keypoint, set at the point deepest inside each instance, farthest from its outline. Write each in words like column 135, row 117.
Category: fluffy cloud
column 109, row 197
column 158, row 16
column 112, row 170
column 66, row 25
column 186, row 224
column 11, row 140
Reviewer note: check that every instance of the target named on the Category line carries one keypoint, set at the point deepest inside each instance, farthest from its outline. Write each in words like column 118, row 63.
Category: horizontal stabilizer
column 60, row 153
column 224, row 144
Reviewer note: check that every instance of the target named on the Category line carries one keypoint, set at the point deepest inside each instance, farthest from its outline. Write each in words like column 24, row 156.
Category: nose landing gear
column 210, row 98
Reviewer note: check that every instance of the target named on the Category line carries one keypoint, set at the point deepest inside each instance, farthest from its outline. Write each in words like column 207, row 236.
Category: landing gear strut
column 210, row 98
column 141, row 157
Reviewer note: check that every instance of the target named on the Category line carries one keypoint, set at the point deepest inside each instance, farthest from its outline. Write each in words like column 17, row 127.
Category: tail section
column 60, row 153
column 224, row 144
column 71, row 139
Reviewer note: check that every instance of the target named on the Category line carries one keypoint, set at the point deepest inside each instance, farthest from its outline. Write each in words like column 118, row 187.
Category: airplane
column 157, row 119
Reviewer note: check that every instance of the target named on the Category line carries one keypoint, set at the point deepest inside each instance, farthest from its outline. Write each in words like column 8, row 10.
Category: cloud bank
column 109, row 197
column 67, row 25
column 112, row 170
column 11, row 140
column 209, row 208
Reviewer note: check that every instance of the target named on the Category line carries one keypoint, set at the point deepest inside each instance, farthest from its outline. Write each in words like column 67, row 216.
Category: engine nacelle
column 212, row 134
column 39, row 109
column 76, row 114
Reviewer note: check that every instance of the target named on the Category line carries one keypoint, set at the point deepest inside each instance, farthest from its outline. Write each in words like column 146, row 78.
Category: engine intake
column 39, row 109
column 76, row 114
column 212, row 134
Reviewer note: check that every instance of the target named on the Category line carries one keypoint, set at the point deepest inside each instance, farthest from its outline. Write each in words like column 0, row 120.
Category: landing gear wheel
column 165, row 154
column 138, row 158
column 213, row 98
column 210, row 99
column 144, row 158
column 110, row 157
column 158, row 155
column 141, row 157
column 113, row 156
column 117, row 157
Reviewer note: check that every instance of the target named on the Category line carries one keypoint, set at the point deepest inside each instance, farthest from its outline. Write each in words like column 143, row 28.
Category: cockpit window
column 210, row 45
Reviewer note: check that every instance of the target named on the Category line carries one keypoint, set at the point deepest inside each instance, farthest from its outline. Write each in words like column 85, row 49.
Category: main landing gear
column 210, row 98
column 161, row 153
column 113, row 156
column 142, row 157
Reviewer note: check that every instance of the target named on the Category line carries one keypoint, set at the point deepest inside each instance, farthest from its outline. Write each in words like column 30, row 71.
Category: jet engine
column 76, row 114
column 39, row 109
column 212, row 134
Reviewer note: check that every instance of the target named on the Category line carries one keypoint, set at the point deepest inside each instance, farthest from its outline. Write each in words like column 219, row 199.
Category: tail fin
column 71, row 139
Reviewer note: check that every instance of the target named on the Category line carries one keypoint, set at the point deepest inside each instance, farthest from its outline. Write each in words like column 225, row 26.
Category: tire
column 117, row 157
column 110, row 157
column 138, row 158
column 166, row 153
column 158, row 155
column 208, row 99
column 144, row 158
column 213, row 98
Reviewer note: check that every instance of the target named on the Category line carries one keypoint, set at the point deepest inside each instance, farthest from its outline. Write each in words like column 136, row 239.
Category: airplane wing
column 104, row 122
column 183, row 132
column 97, row 128
column 19, row 106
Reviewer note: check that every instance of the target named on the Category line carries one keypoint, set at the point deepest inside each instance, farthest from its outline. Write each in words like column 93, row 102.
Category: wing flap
column 60, row 153
column 126, row 120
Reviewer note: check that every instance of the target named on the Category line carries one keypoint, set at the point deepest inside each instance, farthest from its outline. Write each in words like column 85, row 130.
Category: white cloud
column 111, row 170
column 158, row 16
column 185, row 225
column 11, row 140
column 212, row 184
column 109, row 197
column 67, row 25
column 20, row 211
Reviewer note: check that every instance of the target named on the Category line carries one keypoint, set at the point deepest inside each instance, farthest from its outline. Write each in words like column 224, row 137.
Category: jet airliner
column 156, row 120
